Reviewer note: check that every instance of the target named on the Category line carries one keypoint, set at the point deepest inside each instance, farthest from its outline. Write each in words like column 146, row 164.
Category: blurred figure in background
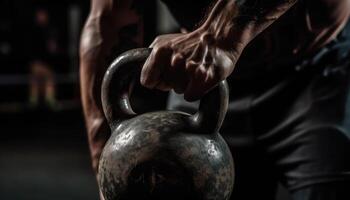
column 42, row 85
column 46, row 51
column 43, row 150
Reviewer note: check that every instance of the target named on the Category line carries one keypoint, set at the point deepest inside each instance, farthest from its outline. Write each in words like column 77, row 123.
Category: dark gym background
column 43, row 148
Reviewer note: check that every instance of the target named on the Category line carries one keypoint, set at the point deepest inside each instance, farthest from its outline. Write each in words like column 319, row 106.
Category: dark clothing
column 189, row 14
column 291, row 123
column 325, row 191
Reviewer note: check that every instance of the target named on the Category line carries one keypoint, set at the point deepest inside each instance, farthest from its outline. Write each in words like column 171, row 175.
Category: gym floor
column 45, row 156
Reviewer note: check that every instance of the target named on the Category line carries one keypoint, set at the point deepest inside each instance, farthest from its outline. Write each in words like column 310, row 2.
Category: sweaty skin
column 100, row 34
column 191, row 63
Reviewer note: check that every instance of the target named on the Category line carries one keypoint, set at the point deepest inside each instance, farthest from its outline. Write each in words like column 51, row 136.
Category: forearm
column 194, row 62
column 234, row 23
column 327, row 13
column 103, row 34
column 93, row 63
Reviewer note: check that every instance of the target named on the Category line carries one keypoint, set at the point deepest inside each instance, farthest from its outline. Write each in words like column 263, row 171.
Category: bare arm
column 102, row 31
column 327, row 12
column 324, row 21
column 194, row 62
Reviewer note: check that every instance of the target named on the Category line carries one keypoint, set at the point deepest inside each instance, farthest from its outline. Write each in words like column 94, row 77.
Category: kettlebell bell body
column 165, row 154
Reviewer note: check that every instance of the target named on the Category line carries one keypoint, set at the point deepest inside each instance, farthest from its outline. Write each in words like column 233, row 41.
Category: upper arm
column 100, row 36
column 107, row 18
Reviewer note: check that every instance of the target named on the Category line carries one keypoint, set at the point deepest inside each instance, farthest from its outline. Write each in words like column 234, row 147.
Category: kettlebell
column 164, row 155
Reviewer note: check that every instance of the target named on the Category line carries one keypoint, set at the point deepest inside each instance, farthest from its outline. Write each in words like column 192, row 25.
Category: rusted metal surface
column 166, row 154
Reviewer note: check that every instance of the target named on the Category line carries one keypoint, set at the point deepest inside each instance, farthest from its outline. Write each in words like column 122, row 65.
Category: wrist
column 235, row 23
column 222, row 28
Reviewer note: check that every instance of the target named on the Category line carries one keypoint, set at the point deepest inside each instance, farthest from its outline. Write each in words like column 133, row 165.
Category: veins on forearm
column 244, row 19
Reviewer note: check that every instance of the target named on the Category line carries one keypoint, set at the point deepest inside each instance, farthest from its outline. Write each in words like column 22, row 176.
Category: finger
column 177, row 60
column 210, row 74
column 163, row 86
column 196, row 55
column 191, row 66
column 153, row 67
column 207, row 56
column 158, row 40
column 177, row 74
column 149, row 73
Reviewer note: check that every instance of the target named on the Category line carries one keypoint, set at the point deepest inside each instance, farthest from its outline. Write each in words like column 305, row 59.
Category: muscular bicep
column 112, row 26
column 108, row 21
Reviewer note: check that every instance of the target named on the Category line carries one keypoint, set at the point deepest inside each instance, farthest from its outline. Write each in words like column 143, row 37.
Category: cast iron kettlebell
column 162, row 155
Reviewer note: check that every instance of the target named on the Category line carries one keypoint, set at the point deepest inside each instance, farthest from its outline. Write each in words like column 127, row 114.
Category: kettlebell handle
column 116, row 86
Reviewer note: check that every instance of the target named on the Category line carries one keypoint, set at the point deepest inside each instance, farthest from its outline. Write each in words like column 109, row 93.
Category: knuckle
column 191, row 66
column 145, row 78
column 201, row 72
column 176, row 59
column 156, row 49
column 143, row 81
column 158, row 39
column 147, row 85
column 174, row 45
column 160, row 50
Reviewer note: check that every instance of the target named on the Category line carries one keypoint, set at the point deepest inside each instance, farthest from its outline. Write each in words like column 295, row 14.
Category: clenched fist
column 190, row 63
